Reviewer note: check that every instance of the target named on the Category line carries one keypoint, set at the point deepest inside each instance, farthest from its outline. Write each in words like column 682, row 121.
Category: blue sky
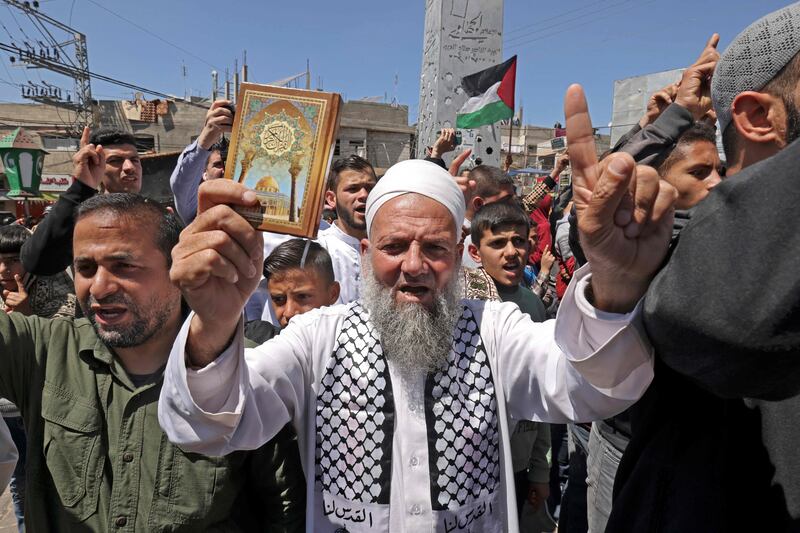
column 357, row 47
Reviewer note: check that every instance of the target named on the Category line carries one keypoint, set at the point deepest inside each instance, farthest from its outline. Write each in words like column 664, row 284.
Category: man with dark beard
column 87, row 389
column 401, row 400
column 350, row 181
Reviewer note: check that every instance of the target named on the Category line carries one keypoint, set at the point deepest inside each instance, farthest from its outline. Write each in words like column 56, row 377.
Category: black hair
column 698, row 132
column 352, row 162
column 12, row 238
column 329, row 214
column 783, row 86
column 495, row 216
column 143, row 210
column 221, row 146
column 289, row 255
column 489, row 180
column 111, row 137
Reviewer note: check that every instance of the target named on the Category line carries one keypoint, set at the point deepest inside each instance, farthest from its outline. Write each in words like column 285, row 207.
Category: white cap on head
column 421, row 177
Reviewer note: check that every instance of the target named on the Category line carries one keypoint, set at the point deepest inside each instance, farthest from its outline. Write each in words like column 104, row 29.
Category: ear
column 474, row 253
column 477, row 203
column 330, row 199
column 758, row 118
column 364, row 246
column 333, row 292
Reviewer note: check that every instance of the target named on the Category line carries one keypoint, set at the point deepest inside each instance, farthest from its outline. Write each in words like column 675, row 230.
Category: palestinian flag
column 491, row 94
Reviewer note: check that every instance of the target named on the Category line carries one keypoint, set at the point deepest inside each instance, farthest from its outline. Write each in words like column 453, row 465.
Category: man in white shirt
column 400, row 400
column 351, row 179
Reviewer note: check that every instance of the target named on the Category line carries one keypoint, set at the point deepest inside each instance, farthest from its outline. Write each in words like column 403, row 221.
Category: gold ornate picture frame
column 281, row 147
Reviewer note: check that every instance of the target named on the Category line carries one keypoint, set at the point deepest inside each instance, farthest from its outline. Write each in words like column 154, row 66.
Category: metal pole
column 214, row 85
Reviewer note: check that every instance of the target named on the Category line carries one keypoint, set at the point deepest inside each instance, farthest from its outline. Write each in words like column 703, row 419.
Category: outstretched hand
column 624, row 212
column 466, row 185
column 694, row 92
column 217, row 265
column 89, row 163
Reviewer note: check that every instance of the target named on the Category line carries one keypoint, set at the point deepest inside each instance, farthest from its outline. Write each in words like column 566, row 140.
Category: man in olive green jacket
column 88, row 389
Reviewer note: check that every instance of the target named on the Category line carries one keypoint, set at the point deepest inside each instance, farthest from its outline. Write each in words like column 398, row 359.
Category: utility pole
column 55, row 57
column 244, row 67
column 236, row 79
column 308, row 74
column 214, row 85
column 227, row 85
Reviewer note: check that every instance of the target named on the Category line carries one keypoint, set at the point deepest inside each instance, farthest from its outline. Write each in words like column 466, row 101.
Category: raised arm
column 593, row 361
column 188, row 173
column 530, row 201
column 673, row 110
column 49, row 250
column 242, row 399
column 217, row 265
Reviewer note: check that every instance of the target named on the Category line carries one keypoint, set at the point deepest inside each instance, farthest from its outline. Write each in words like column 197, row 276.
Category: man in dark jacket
column 107, row 161
column 714, row 438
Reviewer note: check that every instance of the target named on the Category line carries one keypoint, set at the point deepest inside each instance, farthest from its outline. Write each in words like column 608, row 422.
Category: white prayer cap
column 421, row 177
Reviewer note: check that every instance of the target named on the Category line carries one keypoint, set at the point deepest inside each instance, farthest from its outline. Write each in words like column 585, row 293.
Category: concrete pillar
column 461, row 37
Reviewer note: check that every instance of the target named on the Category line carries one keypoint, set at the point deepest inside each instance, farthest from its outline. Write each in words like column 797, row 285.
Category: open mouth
column 413, row 291
column 109, row 315
column 360, row 209
column 512, row 268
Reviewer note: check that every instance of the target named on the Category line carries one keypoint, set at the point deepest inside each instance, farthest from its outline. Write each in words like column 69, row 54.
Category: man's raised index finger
column 713, row 41
column 580, row 138
column 85, row 136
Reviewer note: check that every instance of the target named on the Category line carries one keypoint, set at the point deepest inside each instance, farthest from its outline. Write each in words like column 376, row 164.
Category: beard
column 136, row 332
column 413, row 336
column 349, row 219
column 792, row 120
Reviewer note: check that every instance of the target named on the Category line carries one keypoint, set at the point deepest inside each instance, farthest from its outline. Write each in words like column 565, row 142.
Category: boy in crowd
column 501, row 246
column 299, row 278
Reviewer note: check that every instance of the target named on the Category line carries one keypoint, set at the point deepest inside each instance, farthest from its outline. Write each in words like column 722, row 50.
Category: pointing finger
column 85, row 136
column 580, row 139
column 20, row 286
column 455, row 166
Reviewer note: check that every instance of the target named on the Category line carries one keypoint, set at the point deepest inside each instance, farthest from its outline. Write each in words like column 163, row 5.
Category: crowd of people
column 448, row 355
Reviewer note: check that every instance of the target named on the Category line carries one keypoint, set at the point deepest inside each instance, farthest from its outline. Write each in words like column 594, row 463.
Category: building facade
column 162, row 128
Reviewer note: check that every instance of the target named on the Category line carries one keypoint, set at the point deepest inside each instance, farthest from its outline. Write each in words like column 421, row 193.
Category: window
column 60, row 144
column 145, row 143
column 336, row 148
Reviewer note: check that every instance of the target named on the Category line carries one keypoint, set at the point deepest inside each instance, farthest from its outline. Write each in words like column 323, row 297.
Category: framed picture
column 281, row 147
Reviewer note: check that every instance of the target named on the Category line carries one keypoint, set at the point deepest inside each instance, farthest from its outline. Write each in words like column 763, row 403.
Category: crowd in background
column 91, row 314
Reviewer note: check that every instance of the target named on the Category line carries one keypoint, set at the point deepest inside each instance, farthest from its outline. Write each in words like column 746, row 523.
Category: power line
column 71, row 71
column 17, row 22
column 562, row 31
column 554, row 17
column 567, row 21
column 142, row 28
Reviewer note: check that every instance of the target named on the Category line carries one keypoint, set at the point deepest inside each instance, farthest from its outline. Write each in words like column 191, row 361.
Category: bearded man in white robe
column 400, row 400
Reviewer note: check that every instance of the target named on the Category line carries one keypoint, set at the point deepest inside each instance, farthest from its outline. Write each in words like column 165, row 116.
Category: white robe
column 409, row 454
column 345, row 252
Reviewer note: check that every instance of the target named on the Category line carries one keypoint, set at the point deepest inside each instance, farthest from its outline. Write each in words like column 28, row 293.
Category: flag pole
column 509, row 160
